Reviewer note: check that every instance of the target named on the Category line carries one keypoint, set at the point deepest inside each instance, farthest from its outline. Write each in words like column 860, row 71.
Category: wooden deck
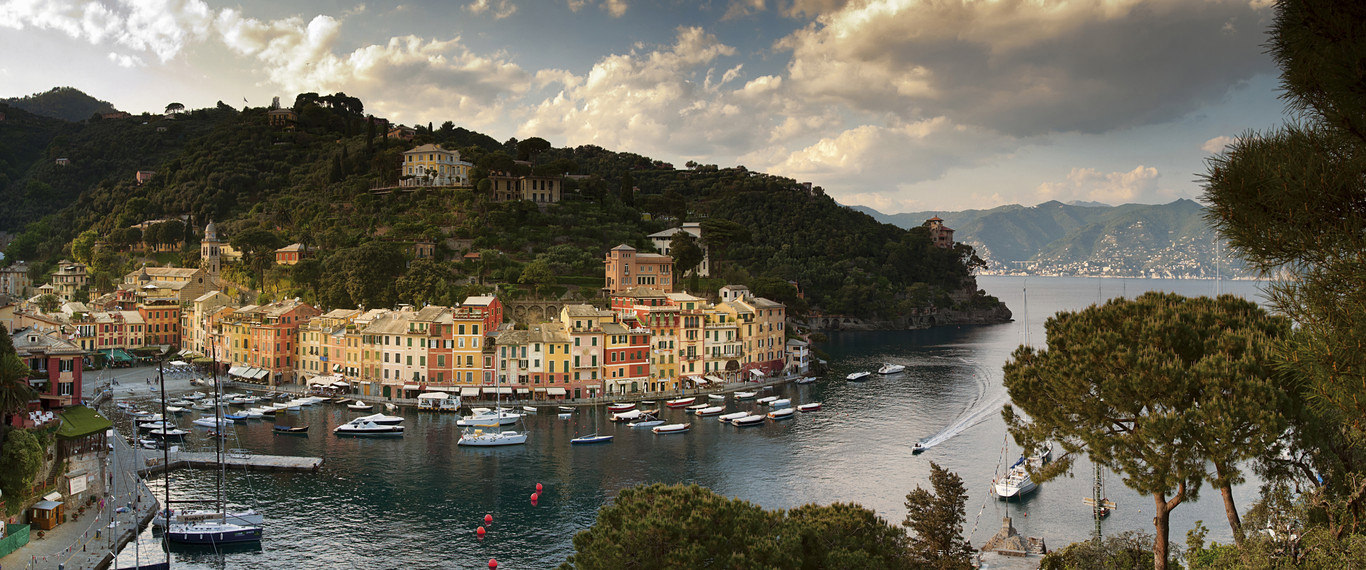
column 232, row 460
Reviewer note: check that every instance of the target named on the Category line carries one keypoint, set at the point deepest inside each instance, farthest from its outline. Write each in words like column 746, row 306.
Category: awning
column 336, row 368
column 699, row 381
column 261, row 374
column 716, row 379
column 502, row 390
column 451, row 389
column 757, row 372
column 554, row 391
column 412, row 387
column 490, row 390
column 433, row 396
column 539, row 390
column 236, row 371
column 523, row 391
column 469, row 392
column 179, row 363
column 46, row 505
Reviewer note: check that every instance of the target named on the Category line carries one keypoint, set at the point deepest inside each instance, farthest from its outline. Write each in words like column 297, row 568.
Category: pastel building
column 260, row 341
column 663, row 240
column 626, row 268
column 431, row 165
column 58, row 364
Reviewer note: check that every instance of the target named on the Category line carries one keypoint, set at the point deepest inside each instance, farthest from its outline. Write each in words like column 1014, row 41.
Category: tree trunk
column 1230, row 509
column 1161, row 521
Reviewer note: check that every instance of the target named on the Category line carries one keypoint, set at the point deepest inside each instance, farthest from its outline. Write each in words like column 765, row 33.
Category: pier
column 232, row 460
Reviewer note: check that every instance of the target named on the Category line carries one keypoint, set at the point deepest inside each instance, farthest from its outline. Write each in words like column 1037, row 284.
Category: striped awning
column 555, row 391
column 469, row 392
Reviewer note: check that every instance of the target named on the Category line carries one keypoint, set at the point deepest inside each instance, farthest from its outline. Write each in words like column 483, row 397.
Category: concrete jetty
column 235, row 459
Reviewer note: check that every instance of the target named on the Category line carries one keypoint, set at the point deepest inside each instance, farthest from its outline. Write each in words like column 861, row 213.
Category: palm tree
column 15, row 392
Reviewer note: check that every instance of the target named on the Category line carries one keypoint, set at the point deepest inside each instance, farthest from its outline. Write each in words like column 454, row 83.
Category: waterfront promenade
column 90, row 540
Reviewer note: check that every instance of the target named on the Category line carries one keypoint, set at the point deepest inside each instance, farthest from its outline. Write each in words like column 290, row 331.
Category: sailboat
column 216, row 528
column 481, row 438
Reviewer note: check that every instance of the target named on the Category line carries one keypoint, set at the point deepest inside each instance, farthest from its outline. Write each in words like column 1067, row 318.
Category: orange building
column 291, row 254
column 261, row 340
column 940, row 234
column 627, row 269
column 162, row 320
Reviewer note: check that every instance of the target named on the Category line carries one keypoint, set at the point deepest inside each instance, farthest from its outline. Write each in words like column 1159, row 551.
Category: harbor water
column 418, row 500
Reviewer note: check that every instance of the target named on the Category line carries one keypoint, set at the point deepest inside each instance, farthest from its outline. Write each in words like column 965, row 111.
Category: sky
column 899, row 105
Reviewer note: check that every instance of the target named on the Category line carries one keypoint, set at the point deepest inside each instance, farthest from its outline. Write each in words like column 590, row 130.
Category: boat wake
column 986, row 404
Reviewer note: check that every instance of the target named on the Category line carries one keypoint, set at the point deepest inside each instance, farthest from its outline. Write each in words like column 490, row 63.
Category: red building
column 57, row 364
column 491, row 308
column 162, row 320
column 291, row 254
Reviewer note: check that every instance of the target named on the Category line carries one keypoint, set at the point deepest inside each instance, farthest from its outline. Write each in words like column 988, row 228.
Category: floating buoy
column 480, row 532
column 493, row 563
column 535, row 497
column 488, row 519
column 538, row 487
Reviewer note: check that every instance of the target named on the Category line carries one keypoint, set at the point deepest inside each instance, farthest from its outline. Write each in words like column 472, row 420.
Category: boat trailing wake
column 979, row 411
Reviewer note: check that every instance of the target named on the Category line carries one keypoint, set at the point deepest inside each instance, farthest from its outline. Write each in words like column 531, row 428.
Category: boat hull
column 227, row 536
column 492, row 440
column 590, row 440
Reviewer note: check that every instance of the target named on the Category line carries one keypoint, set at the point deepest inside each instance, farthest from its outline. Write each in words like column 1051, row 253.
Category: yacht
column 857, row 376
column 589, row 439
column 486, row 417
column 247, row 518
column 1015, row 483
column 364, row 427
column 381, row 419
column 481, row 438
column 891, row 369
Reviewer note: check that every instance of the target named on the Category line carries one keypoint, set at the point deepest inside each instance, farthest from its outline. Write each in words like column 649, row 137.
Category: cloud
column 616, row 8
column 1137, row 185
column 1029, row 67
column 499, row 9
column 122, row 60
column 160, row 27
column 742, row 8
column 576, row 5
column 1216, row 145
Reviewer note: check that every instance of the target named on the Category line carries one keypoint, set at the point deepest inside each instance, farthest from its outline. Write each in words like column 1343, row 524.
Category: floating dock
column 231, row 460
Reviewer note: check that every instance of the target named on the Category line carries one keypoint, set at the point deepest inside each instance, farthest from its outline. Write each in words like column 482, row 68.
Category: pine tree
column 937, row 521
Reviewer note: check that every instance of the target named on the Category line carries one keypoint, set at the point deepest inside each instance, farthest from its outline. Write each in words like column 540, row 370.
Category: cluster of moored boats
column 886, row 370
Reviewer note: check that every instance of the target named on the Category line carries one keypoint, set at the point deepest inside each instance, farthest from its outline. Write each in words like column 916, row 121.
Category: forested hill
column 1087, row 239
column 329, row 184
column 65, row 103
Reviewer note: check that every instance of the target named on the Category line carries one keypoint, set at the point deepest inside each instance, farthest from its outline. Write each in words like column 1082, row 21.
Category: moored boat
column 212, row 422
column 806, row 380
column 721, row 397
column 627, row 416
column 1015, row 483
column 680, row 402
column 481, row 438
column 364, row 427
column 780, row 403
column 485, row 417
column 810, row 407
column 569, row 409
column 172, row 432
column 359, row 405
column 745, row 395
column 672, row 428
column 748, row 421
column 857, row 376
column 531, row 409
column 213, row 533
column 290, row 429
column 710, row 411
column 781, row 414
column 180, row 516
column 727, row 418
column 891, row 369
column 646, row 422
column 693, row 408
column 589, row 439
column 766, row 400
column 620, row 406
column 381, row 419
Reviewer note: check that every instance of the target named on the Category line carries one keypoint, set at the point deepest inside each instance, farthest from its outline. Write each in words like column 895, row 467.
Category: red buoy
column 493, row 563
column 488, row 519
column 535, row 497
column 480, row 532
column 538, row 487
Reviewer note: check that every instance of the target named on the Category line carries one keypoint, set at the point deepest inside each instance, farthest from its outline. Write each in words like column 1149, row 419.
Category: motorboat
column 693, row 408
column 290, row 429
column 811, row 407
column 628, row 416
column 672, row 428
column 195, row 396
column 589, row 439
column 139, row 413
column 620, row 406
column 766, row 400
column 481, row 438
column 918, row 448
column 680, row 402
column 646, row 422
column 381, row 419
column 485, row 417
column 858, row 376
column 782, row 414
column 364, row 427
column 246, row 518
column 158, row 424
column 359, row 405
column 727, row 418
column 172, row 432
column 569, row 409
column 710, row 411
column 748, row 421
column 212, row 422
column 718, row 397
column 891, row 369
column 531, row 409
column 1015, row 483
column 780, row 403
column 745, row 395
column 806, row 380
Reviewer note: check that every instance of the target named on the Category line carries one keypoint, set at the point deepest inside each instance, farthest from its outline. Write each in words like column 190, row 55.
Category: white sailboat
column 495, row 438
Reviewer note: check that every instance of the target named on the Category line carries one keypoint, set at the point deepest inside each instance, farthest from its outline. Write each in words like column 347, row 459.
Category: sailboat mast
column 165, row 458
column 1096, row 493
column 218, row 438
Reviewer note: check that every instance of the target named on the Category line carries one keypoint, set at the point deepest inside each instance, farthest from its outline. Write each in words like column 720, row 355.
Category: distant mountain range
column 65, row 103
column 1086, row 238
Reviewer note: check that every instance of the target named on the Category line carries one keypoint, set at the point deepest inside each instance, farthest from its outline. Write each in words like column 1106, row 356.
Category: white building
column 664, row 238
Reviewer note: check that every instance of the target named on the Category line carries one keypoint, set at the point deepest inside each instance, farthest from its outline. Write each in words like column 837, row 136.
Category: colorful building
column 291, row 254
column 940, row 234
column 431, row 165
column 57, row 363
column 627, row 269
column 664, row 240
column 260, row 341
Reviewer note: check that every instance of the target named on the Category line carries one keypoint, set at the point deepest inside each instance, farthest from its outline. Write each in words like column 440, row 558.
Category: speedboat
column 811, row 407
column 918, row 448
column 1015, row 483
column 248, row 517
column 672, row 428
column 680, row 402
column 720, row 397
column 481, row 438
column 745, row 395
column 747, row 421
column 531, row 409
column 780, row 403
column 627, row 416
column 620, row 406
column 727, row 418
column 891, row 369
column 593, row 438
column 765, row 400
column 782, row 414
column 485, row 417
column 857, row 376
column 806, row 380
column 358, row 405
column 364, row 427
column 710, row 411
column 381, row 419
column 212, row 423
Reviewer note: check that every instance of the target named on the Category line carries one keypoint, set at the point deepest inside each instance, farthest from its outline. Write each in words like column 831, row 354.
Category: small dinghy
column 620, row 407
column 531, row 409
column 781, row 414
column 710, row 411
column 748, row 421
column 745, row 395
column 569, row 409
column 681, row 402
column 566, row 415
column 359, row 405
column 812, row 407
column 720, row 397
column 646, row 422
column 290, row 429
column 727, row 418
column 765, row 400
column 672, row 428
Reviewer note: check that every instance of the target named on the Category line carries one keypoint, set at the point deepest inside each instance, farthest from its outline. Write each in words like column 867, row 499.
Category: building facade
column 663, row 241
column 626, row 269
column 431, row 165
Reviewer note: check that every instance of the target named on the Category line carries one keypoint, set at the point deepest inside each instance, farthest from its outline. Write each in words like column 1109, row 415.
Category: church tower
column 209, row 252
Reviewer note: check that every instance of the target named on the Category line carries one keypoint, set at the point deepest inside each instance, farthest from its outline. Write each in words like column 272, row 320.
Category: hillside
column 65, row 103
column 329, row 183
column 1087, row 239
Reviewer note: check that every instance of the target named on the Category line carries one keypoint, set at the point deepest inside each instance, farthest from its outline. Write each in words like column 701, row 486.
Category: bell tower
column 209, row 252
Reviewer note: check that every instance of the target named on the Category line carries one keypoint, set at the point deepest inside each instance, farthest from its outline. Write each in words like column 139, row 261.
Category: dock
column 232, row 460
